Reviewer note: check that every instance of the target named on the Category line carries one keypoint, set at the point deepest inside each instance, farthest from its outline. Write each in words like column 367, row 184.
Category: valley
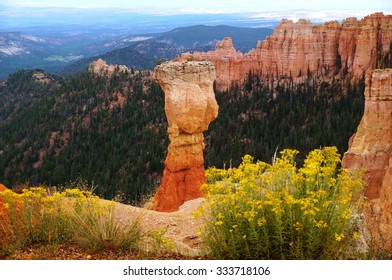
column 115, row 114
column 260, row 117
column 68, row 51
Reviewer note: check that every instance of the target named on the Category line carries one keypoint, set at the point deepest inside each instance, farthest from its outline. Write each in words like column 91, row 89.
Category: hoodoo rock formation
column 371, row 150
column 296, row 49
column 190, row 106
column 101, row 68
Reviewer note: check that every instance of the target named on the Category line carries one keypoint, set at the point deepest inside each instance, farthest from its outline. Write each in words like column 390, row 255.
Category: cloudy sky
column 165, row 14
column 211, row 6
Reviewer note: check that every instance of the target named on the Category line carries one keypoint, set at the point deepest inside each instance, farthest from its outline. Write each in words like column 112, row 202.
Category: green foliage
column 21, row 91
column 279, row 211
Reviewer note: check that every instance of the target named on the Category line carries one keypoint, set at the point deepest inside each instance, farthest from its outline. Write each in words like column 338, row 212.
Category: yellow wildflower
column 298, row 226
column 346, row 214
column 218, row 223
column 326, row 203
column 250, row 215
column 339, row 237
column 261, row 221
column 321, row 224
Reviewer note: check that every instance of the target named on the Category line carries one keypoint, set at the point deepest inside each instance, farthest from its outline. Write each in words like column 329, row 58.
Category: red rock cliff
column 295, row 48
column 190, row 106
column 371, row 149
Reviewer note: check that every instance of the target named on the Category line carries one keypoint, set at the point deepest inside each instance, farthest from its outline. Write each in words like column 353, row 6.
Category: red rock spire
column 190, row 106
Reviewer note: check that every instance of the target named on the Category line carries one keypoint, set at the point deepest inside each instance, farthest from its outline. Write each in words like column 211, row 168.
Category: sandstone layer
column 297, row 49
column 371, row 150
column 190, row 106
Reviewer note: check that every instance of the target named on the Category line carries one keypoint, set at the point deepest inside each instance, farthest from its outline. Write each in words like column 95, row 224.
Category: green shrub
column 262, row 211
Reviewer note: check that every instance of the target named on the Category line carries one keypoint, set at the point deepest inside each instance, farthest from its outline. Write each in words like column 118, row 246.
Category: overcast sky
column 214, row 6
column 164, row 13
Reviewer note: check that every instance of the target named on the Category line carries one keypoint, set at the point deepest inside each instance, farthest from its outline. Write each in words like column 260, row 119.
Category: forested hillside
column 111, row 131
column 258, row 120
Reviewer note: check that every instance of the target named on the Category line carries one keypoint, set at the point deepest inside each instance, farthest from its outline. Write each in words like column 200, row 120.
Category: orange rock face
column 371, row 150
column 294, row 49
column 190, row 106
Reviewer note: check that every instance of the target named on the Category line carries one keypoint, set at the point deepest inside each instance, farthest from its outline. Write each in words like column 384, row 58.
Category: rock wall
column 293, row 49
column 371, row 150
column 190, row 106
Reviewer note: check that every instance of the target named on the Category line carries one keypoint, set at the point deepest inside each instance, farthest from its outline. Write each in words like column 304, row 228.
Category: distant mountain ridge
column 72, row 52
column 201, row 35
column 146, row 48
column 124, row 56
column 47, row 51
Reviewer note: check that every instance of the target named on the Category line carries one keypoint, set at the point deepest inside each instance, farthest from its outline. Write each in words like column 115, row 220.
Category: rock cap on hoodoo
column 190, row 103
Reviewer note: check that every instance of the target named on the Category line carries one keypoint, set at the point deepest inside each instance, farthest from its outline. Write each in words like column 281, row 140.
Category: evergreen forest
column 110, row 132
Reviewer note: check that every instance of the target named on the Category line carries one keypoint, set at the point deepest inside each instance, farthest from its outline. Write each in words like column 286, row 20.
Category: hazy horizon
column 204, row 6
column 158, row 16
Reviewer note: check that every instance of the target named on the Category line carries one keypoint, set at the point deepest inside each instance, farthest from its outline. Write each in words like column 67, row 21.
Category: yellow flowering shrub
column 36, row 217
column 279, row 211
column 160, row 242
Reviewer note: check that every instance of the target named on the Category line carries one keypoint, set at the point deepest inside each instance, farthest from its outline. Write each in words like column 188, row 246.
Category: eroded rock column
column 190, row 106
column 371, row 150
